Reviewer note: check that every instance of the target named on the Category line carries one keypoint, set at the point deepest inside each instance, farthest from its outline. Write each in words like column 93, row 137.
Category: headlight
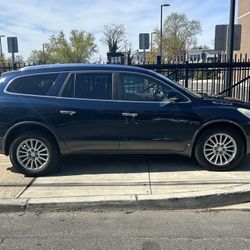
column 245, row 112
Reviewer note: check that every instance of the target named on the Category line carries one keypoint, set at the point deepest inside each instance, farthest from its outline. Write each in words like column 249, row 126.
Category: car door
column 151, row 120
column 88, row 113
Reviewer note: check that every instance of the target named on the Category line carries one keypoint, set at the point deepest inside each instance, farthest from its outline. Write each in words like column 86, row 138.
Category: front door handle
column 130, row 114
column 67, row 112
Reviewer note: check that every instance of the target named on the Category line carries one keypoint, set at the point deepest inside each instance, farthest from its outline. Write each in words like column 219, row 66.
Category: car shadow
column 108, row 164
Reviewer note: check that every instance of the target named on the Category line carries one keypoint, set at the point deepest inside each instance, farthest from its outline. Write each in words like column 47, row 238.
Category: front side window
column 93, row 86
column 143, row 88
column 33, row 85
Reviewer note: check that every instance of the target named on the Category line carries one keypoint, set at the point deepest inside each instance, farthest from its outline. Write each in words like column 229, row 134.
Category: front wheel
column 33, row 154
column 219, row 149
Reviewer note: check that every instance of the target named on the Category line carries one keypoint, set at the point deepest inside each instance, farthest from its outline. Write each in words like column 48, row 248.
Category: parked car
column 52, row 110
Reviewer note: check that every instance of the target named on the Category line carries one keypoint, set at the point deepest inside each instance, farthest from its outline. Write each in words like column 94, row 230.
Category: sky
column 34, row 21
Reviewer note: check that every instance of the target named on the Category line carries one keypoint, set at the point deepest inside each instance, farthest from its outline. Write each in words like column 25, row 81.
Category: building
column 199, row 56
column 244, row 20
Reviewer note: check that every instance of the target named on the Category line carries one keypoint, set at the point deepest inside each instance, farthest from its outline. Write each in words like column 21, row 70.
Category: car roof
column 61, row 68
column 78, row 67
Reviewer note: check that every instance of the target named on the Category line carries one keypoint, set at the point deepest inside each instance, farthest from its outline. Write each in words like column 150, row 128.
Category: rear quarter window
column 33, row 84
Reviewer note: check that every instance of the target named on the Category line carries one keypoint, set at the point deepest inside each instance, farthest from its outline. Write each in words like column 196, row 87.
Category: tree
column 2, row 59
column 36, row 56
column 77, row 49
column 19, row 59
column 114, row 37
column 151, row 56
column 178, row 33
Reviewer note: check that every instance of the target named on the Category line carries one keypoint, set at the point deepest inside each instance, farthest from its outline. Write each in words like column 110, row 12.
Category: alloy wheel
column 32, row 154
column 220, row 149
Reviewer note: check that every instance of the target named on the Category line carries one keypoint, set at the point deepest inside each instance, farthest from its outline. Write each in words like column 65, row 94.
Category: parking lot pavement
column 12, row 184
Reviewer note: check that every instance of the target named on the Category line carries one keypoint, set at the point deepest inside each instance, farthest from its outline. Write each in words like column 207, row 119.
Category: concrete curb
column 12, row 205
column 81, row 203
column 197, row 200
column 194, row 200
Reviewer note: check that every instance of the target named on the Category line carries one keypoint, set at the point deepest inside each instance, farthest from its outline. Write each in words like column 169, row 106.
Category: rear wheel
column 219, row 149
column 33, row 154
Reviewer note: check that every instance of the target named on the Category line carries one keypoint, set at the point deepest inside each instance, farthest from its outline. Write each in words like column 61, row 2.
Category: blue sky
column 34, row 21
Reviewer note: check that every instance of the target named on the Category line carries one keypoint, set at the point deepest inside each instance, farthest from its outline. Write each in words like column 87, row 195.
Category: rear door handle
column 67, row 112
column 130, row 114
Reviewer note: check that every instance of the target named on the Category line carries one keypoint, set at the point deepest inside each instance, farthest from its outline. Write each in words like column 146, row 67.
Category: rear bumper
column 248, row 143
column 248, row 138
column 1, row 145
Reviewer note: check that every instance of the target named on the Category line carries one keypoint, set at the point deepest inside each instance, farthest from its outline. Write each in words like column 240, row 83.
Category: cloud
column 33, row 21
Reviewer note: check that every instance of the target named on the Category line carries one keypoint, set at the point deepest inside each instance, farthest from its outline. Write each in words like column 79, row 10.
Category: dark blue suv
column 52, row 110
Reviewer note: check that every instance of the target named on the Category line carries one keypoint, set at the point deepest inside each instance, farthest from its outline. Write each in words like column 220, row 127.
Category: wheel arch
column 21, row 127
column 215, row 124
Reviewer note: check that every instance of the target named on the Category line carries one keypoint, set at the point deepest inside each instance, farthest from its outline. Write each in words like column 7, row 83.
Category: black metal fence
column 8, row 66
column 209, row 78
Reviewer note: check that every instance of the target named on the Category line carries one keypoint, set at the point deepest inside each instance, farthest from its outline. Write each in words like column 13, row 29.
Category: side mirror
column 173, row 100
column 174, row 96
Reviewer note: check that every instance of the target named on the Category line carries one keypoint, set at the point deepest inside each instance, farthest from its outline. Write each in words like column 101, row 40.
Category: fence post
column 14, row 66
column 176, row 74
column 186, row 74
column 158, row 59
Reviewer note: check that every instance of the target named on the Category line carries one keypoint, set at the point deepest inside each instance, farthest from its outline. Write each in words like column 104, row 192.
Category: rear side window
column 89, row 86
column 33, row 85
column 94, row 86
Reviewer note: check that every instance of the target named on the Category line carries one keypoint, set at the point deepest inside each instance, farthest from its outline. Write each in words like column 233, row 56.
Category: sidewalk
column 97, row 181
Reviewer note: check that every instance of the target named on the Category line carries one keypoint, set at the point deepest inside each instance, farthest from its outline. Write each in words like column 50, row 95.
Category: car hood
column 225, row 101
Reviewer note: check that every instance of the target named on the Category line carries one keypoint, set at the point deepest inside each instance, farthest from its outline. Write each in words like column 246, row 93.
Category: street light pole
column 163, row 5
column 230, row 38
column 230, row 45
column 1, row 48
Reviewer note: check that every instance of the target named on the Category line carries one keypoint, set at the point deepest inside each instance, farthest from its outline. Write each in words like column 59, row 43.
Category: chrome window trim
column 114, row 100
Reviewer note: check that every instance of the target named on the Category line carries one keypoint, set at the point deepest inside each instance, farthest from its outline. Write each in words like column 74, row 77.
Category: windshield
column 194, row 94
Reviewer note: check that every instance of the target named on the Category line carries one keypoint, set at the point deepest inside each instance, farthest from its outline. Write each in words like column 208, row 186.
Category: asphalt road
column 144, row 230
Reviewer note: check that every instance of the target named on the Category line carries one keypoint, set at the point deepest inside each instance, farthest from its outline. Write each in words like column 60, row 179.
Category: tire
column 34, row 154
column 221, row 154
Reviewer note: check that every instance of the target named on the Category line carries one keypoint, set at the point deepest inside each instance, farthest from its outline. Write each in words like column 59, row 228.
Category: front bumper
column 248, row 138
column 248, row 145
